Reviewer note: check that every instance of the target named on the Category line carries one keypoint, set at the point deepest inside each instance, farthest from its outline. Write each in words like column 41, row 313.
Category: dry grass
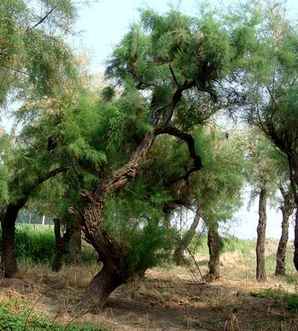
column 170, row 298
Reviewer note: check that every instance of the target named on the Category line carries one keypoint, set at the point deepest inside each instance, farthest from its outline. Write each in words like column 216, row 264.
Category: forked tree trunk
column 281, row 253
column 186, row 240
column 214, row 246
column 8, row 253
column 261, row 237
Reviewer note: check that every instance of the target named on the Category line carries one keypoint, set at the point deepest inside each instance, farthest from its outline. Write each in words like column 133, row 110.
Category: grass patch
column 36, row 244
column 14, row 316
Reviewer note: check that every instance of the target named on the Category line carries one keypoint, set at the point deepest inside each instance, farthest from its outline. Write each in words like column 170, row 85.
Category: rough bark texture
column 282, row 246
column 214, row 246
column 103, row 284
column 261, row 237
column 186, row 240
column 109, row 251
column 286, row 209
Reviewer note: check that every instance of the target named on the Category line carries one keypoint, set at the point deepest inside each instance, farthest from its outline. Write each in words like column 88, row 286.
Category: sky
column 100, row 27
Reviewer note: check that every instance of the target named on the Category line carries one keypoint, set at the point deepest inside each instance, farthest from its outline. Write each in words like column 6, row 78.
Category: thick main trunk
column 186, row 240
column 103, row 284
column 280, row 269
column 261, row 237
column 8, row 253
column 214, row 246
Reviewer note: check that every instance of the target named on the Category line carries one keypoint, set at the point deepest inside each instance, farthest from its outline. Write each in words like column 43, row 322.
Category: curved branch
column 189, row 140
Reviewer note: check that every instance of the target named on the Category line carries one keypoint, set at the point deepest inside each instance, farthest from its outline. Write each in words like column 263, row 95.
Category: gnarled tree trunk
column 214, row 246
column 287, row 210
column 111, row 276
column 261, row 237
column 109, row 251
column 186, row 240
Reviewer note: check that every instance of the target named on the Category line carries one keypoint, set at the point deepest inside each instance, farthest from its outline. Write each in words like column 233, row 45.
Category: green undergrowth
column 36, row 244
column 290, row 300
column 15, row 316
column 229, row 244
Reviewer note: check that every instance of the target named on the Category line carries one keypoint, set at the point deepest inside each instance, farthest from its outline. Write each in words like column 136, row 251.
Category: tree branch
column 188, row 139
column 43, row 18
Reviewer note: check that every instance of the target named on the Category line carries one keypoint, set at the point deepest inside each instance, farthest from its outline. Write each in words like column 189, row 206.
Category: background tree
column 272, row 82
column 263, row 175
column 216, row 189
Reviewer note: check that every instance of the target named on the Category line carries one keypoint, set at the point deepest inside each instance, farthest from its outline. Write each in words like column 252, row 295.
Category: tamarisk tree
column 173, row 72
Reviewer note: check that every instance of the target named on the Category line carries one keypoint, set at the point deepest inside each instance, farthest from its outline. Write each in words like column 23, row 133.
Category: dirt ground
column 170, row 298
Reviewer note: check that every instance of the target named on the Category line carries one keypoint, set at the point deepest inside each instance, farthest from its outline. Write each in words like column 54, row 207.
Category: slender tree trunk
column 186, row 240
column 214, row 246
column 8, row 254
column 280, row 269
column 293, row 167
column 287, row 208
column 59, row 247
column 295, row 260
column 67, row 246
column 75, row 243
column 261, row 237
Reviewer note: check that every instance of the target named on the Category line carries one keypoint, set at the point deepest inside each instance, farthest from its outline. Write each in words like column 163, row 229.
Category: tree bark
column 186, row 240
column 286, row 209
column 104, row 283
column 280, row 269
column 293, row 167
column 8, row 254
column 261, row 237
column 75, row 243
column 67, row 246
column 214, row 246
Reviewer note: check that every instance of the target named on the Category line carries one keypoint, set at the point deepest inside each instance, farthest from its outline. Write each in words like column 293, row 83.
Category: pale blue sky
column 102, row 24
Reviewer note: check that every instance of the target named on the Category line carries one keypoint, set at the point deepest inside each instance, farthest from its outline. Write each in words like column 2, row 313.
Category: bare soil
column 169, row 298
